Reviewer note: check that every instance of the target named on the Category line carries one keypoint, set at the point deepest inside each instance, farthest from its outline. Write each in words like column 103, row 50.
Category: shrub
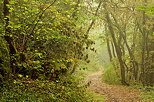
column 27, row 90
column 110, row 76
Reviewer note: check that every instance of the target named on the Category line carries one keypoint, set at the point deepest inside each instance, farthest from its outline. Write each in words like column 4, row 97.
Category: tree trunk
column 7, row 37
column 93, row 21
column 117, row 47
column 113, row 49
column 108, row 44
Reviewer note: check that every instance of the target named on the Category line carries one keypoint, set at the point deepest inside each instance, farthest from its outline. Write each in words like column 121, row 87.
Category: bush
column 148, row 94
column 27, row 90
column 110, row 76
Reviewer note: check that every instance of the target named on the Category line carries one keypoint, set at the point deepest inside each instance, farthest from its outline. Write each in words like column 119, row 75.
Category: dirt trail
column 112, row 93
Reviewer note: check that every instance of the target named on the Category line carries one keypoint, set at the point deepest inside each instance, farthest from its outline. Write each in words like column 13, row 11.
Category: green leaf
column 20, row 75
column 12, row 2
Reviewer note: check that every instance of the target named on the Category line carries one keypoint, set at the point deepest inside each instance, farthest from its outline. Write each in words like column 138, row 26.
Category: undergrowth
column 27, row 90
column 148, row 94
column 110, row 76
column 96, row 97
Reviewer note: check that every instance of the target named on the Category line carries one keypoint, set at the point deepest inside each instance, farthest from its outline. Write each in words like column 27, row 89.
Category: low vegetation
column 44, row 91
column 110, row 76
column 148, row 93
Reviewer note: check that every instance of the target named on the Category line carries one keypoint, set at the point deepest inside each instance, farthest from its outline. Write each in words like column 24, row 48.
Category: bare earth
column 112, row 93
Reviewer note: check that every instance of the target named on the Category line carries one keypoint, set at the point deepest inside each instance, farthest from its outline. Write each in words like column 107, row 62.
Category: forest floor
column 112, row 93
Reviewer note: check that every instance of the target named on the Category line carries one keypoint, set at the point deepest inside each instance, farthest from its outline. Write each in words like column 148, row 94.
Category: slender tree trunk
column 117, row 47
column 7, row 37
column 93, row 21
column 113, row 49
column 108, row 44
column 122, row 34
column 109, row 49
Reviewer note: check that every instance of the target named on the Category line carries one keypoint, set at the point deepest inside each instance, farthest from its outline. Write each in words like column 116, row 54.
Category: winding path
column 112, row 93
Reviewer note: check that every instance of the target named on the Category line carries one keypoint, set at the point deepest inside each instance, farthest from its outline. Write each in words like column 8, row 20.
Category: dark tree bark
column 7, row 37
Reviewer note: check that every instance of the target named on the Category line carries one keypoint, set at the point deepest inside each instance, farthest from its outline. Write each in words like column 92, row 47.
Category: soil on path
column 112, row 93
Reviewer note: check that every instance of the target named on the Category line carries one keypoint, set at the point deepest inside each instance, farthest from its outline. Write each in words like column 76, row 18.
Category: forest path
column 112, row 93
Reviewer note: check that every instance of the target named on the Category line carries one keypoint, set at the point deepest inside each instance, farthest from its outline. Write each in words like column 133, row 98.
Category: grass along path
column 112, row 93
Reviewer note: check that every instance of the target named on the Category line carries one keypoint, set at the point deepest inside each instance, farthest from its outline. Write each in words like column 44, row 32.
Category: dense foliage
column 41, row 43
column 44, row 39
